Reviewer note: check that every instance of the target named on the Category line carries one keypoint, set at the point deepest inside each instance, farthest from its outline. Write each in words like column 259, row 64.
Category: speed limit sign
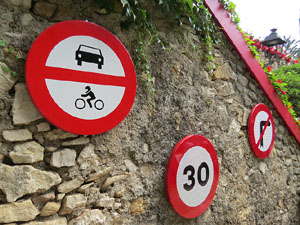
column 192, row 176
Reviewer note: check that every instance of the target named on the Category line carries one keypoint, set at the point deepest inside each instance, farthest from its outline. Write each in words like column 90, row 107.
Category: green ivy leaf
column 5, row 69
column 2, row 43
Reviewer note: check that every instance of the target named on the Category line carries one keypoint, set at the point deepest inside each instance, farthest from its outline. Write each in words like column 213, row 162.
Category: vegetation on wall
column 291, row 76
column 201, row 20
column 285, row 80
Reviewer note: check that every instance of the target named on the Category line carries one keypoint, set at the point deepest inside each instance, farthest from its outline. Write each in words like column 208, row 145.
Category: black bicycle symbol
column 80, row 103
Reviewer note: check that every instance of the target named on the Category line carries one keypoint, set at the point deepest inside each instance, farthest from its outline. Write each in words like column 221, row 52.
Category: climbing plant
column 137, row 16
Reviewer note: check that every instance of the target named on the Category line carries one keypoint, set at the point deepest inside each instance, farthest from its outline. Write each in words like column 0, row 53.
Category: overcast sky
column 260, row 16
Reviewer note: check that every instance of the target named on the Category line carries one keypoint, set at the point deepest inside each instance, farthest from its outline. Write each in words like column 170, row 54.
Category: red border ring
column 171, row 171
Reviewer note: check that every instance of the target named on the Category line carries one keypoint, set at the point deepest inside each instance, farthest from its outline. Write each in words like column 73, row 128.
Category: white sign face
column 85, row 100
column 263, row 132
column 195, row 176
column 63, row 55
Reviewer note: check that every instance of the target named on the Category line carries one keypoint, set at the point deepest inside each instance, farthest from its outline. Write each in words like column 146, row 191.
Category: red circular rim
column 255, row 110
column 35, row 77
column 171, row 171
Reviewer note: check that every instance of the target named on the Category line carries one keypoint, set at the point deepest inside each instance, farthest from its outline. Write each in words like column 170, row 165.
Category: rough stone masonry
column 48, row 176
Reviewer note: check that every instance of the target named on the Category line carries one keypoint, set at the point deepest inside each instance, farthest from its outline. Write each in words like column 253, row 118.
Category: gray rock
column 113, row 179
column 130, row 165
column 17, row 212
column 17, row 181
column 65, row 157
column 87, row 158
column 25, row 3
column 51, row 208
column 7, row 81
column 23, row 110
column 42, row 127
column 42, row 199
column 70, row 202
column 29, row 152
column 78, row 141
column 89, row 216
column 222, row 72
column 100, row 173
column 71, row 185
column 58, row 134
column 58, row 221
column 44, row 9
column 26, row 19
column 226, row 89
column 17, row 135
column 105, row 201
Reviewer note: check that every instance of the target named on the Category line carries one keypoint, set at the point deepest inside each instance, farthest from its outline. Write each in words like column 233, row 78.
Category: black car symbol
column 89, row 54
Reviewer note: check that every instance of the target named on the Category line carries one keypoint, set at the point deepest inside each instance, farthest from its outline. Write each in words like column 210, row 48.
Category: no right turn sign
column 261, row 130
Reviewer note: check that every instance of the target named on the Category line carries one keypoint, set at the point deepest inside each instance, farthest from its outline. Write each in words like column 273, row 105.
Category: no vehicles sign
column 192, row 176
column 261, row 130
column 81, row 77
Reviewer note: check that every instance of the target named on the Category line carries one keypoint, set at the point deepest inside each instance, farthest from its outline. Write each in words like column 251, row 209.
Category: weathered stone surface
column 222, row 72
column 42, row 199
column 130, row 165
column 87, row 158
column 6, row 80
column 70, row 202
column 17, row 135
column 186, row 101
column 44, row 9
column 50, row 208
column 42, row 127
column 89, row 216
column 17, row 181
column 17, row 212
column 105, row 201
column 85, row 187
column 78, row 141
column 29, row 152
column 60, row 14
column 137, row 207
column 60, row 196
column 225, row 89
column 58, row 134
column 58, row 221
column 100, row 173
column 71, row 185
column 25, row 3
column 26, row 19
column 23, row 110
column 65, row 157
column 113, row 179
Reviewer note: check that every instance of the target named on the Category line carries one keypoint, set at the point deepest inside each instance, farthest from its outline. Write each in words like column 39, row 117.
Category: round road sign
column 80, row 77
column 192, row 176
column 261, row 130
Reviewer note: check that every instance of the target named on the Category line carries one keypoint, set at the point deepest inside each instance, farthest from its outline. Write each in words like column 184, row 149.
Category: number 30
column 191, row 178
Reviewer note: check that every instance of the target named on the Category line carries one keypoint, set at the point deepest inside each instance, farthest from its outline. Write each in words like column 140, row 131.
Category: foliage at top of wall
column 291, row 76
column 288, row 93
column 192, row 11
column 137, row 15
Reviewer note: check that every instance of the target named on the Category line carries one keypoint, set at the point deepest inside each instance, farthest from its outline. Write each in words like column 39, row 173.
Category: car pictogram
column 89, row 54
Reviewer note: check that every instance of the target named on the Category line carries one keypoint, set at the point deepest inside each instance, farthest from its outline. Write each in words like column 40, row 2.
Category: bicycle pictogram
column 80, row 103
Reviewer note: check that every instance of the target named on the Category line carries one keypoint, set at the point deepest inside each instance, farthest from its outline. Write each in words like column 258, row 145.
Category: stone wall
column 48, row 176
